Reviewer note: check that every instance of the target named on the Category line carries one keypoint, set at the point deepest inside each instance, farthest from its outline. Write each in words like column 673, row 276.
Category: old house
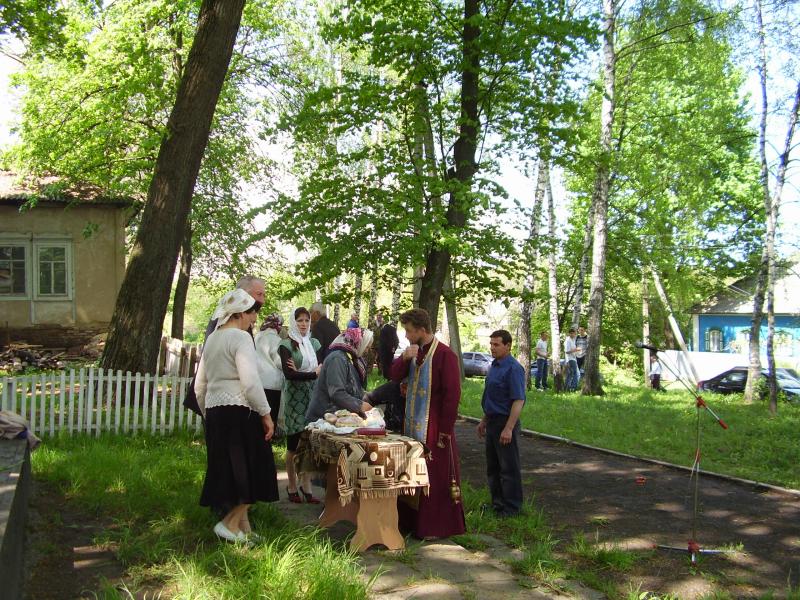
column 722, row 322
column 62, row 261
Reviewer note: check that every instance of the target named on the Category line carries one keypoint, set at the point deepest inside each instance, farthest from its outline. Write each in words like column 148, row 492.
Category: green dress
column 296, row 394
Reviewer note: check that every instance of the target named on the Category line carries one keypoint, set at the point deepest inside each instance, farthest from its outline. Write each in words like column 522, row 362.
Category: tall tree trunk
column 591, row 380
column 531, row 259
column 396, row 294
column 452, row 319
column 580, row 286
column 646, row 325
column 416, row 288
column 373, row 297
column 754, row 370
column 464, row 151
column 337, row 307
column 182, row 286
column 552, row 288
column 359, row 286
column 780, row 179
column 135, row 330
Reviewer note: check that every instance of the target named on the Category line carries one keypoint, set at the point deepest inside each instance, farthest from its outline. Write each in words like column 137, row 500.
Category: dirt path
column 61, row 559
column 597, row 494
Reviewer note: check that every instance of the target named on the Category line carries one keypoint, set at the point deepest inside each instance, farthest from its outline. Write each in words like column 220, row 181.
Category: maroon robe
column 437, row 516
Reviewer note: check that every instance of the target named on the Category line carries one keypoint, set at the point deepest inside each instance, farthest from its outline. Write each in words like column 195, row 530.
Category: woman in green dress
column 300, row 360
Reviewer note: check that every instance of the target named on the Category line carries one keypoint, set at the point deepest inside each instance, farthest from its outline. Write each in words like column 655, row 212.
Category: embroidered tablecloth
column 372, row 467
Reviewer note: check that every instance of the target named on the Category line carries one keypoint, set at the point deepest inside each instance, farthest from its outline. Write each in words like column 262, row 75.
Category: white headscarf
column 237, row 301
column 304, row 342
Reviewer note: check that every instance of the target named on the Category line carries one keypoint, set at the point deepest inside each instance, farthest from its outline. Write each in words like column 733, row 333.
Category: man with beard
column 432, row 397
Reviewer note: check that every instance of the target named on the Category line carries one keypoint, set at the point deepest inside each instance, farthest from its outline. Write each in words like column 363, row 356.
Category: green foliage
column 95, row 111
column 37, row 22
column 358, row 124
column 684, row 186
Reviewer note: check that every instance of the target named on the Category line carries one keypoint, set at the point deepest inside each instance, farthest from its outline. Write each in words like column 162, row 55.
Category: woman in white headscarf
column 300, row 360
column 240, row 467
column 343, row 377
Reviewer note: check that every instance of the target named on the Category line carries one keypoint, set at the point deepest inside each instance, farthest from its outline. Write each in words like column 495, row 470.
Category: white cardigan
column 228, row 373
column 269, row 361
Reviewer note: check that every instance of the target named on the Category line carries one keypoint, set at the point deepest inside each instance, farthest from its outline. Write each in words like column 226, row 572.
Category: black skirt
column 240, row 467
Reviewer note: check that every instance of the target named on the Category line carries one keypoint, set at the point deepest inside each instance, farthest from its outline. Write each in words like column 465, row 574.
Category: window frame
column 32, row 243
column 24, row 243
column 708, row 340
column 37, row 245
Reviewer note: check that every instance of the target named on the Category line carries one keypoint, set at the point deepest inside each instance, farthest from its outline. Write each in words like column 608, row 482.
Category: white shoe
column 226, row 534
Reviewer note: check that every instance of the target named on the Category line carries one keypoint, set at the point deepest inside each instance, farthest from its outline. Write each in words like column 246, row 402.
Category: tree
column 142, row 302
column 441, row 94
column 599, row 210
column 772, row 200
column 95, row 110
column 530, row 257
column 681, row 174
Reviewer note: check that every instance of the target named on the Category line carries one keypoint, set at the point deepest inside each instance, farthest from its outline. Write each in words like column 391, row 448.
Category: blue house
column 722, row 322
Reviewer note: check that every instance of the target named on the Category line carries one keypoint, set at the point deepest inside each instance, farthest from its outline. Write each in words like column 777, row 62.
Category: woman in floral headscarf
column 269, row 362
column 343, row 376
column 300, row 359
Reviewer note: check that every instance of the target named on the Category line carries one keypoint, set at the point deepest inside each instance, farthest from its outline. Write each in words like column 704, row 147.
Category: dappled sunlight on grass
column 149, row 488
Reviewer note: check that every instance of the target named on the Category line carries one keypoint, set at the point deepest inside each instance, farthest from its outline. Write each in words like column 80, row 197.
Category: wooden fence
column 94, row 401
column 176, row 357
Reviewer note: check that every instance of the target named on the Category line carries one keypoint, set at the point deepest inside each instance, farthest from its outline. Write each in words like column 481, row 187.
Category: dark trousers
column 503, row 467
column 655, row 382
column 541, row 373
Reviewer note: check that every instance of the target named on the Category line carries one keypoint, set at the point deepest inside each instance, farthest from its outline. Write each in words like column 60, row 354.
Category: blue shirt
column 505, row 383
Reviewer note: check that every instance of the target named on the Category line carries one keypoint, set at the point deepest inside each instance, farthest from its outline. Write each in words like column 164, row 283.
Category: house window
column 714, row 340
column 52, row 269
column 12, row 270
column 41, row 267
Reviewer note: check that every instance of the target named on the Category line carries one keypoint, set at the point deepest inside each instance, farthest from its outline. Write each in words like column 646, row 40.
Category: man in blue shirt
column 503, row 399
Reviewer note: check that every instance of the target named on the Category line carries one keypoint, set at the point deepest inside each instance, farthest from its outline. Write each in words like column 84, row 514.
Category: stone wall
column 15, row 487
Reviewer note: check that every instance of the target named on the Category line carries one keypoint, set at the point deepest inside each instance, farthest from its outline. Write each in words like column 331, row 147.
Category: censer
column 455, row 489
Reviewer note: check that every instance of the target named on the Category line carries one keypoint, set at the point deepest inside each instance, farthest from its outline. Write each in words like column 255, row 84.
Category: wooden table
column 365, row 477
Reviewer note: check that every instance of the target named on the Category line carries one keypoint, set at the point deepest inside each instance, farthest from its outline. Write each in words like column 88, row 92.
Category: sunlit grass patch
column 148, row 489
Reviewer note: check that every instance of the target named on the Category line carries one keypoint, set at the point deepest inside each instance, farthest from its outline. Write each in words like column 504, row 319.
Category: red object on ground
column 641, row 480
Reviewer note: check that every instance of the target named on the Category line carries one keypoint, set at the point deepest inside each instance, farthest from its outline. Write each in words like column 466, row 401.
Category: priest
column 433, row 382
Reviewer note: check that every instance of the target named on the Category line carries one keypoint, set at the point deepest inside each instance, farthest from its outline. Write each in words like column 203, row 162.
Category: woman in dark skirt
column 240, row 467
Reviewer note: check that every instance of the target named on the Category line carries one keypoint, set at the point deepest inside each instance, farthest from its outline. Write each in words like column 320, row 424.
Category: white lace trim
column 226, row 399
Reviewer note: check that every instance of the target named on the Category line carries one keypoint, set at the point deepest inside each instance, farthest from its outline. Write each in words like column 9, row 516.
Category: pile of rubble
column 18, row 357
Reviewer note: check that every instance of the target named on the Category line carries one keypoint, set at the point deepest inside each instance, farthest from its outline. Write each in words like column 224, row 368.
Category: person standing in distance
column 571, row 353
column 582, row 343
column 322, row 328
column 502, row 402
column 541, row 361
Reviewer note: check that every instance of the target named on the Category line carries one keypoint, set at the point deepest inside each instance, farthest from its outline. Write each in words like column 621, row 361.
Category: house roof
column 17, row 191
column 737, row 298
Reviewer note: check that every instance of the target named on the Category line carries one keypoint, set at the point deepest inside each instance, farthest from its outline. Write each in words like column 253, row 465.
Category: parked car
column 476, row 363
column 734, row 381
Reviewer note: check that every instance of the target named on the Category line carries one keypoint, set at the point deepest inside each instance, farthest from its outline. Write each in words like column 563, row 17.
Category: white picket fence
column 94, row 401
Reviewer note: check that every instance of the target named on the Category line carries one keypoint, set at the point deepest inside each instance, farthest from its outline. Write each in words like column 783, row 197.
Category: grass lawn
column 638, row 421
column 148, row 487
